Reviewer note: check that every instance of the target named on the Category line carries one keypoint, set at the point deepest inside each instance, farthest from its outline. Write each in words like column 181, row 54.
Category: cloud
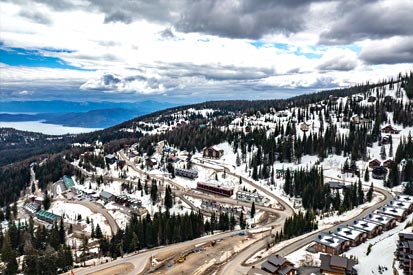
column 118, row 16
column 393, row 51
column 36, row 16
column 337, row 59
column 114, row 83
column 359, row 20
column 25, row 92
column 243, row 19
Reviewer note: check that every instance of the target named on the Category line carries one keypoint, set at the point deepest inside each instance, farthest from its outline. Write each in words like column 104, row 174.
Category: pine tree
column 46, row 202
column 8, row 256
column 98, row 232
column 242, row 222
column 360, row 195
column 238, row 160
column 366, row 175
column 253, row 210
column 168, row 197
column 369, row 195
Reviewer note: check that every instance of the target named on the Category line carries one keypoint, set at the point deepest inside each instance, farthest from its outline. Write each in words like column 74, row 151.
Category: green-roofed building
column 69, row 183
column 47, row 216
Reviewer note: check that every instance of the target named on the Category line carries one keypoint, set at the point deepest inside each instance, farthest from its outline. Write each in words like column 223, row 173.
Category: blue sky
column 167, row 51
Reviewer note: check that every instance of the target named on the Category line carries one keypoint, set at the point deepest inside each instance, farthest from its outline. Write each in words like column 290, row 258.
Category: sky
column 191, row 51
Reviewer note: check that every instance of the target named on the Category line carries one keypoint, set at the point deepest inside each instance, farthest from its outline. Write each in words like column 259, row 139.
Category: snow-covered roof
column 329, row 240
column 364, row 225
column 393, row 211
column 379, row 218
column 404, row 198
column 347, row 232
column 400, row 204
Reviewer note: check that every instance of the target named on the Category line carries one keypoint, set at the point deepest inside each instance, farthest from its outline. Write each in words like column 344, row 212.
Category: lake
column 45, row 128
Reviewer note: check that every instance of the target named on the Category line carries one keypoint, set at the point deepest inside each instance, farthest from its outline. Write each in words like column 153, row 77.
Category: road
column 96, row 208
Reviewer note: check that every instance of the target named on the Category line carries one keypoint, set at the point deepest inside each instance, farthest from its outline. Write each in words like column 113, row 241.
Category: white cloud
column 147, row 60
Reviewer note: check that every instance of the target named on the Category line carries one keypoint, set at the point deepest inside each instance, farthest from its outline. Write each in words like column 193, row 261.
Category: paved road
column 96, row 208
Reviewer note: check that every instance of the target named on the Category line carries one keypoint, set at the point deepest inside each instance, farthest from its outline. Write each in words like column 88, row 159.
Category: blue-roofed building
column 68, row 181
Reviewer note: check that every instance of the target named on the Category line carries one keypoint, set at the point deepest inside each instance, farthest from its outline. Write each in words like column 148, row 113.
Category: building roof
column 393, row 211
column 106, row 194
column 47, row 215
column 269, row 267
column 348, row 232
column 216, row 185
column 328, row 262
column 68, row 181
column 404, row 198
column 329, row 240
column 110, row 156
column 338, row 261
column 276, row 260
column 284, row 270
column 336, row 184
column 379, row 218
column 250, row 194
column 400, row 204
column 364, row 225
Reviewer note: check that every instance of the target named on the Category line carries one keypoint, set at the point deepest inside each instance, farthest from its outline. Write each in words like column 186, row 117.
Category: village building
column 110, row 159
column 355, row 236
column 212, row 152
column 379, row 172
column 31, row 207
column 336, row 185
column 250, row 197
column 388, row 163
column 106, row 196
column 389, row 130
column 192, row 174
column 374, row 163
column 398, row 213
column 372, row 229
column 404, row 252
column 69, row 183
column 47, row 216
column 278, row 266
column 406, row 199
column 215, row 189
column 405, row 205
column 337, row 265
column 331, row 244
column 386, row 221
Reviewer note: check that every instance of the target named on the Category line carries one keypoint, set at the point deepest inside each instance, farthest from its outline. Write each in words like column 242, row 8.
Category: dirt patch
column 115, row 270
column 203, row 257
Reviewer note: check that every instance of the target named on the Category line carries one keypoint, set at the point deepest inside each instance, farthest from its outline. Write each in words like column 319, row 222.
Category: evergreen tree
column 366, row 175
column 168, row 197
column 369, row 195
column 46, row 202
column 8, row 256
column 253, row 210
column 360, row 195
column 98, row 232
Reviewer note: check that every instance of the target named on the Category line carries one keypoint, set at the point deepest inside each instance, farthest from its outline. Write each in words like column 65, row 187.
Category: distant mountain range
column 77, row 114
